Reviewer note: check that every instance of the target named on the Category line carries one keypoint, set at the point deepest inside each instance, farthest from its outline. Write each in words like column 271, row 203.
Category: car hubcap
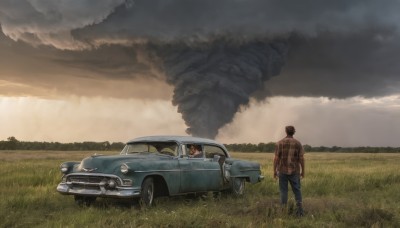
column 150, row 195
column 238, row 185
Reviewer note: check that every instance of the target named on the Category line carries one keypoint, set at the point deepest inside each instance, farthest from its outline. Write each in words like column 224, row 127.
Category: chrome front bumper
column 100, row 189
column 119, row 192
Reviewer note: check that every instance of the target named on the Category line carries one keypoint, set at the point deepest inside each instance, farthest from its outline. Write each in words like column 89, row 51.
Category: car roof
column 179, row 139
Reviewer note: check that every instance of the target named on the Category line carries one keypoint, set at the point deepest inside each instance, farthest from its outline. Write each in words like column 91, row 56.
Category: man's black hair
column 290, row 130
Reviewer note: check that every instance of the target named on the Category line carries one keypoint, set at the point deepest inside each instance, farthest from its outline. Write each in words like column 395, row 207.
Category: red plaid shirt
column 289, row 156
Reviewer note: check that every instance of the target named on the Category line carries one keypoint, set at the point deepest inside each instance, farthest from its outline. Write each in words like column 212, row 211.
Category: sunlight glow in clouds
column 319, row 121
column 86, row 119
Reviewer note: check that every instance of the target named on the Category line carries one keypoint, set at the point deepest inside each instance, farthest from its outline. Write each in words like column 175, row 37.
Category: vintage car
column 154, row 166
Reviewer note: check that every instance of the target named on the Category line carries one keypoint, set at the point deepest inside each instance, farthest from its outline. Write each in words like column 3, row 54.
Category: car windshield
column 167, row 148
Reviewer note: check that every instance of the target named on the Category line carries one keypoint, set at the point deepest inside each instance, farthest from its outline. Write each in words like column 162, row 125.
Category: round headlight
column 64, row 168
column 124, row 168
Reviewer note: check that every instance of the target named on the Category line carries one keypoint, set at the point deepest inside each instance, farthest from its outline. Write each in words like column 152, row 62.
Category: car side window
column 194, row 151
column 134, row 148
column 152, row 149
column 213, row 150
column 170, row 151
column 167, row 148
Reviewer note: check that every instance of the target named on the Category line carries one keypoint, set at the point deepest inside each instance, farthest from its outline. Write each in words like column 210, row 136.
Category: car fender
column 70, row 165
column 162, row 170
column 244, row 169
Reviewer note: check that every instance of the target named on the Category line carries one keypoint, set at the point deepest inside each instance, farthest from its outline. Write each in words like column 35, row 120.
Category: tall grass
column 339, row 190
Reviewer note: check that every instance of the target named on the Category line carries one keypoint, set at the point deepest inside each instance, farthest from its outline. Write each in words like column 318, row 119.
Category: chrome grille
column 86, row 179
column 91, row 181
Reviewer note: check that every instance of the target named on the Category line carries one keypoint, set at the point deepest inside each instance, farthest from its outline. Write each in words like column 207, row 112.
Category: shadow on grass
column 171, row 201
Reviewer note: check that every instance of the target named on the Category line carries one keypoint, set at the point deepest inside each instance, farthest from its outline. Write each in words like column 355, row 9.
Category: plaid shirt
column 289, row 156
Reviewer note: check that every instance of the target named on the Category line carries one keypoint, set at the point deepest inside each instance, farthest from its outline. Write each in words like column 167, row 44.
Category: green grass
column 339, row 190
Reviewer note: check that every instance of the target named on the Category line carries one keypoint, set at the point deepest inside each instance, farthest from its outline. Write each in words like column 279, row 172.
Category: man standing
column 289, row 167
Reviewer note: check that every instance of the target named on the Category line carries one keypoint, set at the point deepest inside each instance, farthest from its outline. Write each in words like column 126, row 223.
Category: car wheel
column 238, row 186
column 147, row 193
column 84, row 200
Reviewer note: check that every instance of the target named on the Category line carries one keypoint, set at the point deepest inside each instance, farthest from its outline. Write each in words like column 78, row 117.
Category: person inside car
column 195, row 151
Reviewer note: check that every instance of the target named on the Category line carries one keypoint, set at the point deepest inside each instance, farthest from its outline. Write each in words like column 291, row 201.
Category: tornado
column 213, row 80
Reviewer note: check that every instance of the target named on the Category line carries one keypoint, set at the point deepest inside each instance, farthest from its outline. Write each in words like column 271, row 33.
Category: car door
column 213, row 155
column 199, row 174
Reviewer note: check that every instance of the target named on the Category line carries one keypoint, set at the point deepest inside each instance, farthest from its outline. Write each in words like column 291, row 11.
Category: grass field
column 339, row 190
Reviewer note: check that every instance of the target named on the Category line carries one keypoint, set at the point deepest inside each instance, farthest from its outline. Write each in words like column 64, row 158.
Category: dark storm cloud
column 45, row 71
column 331, row 48
column 50, row 22
column 109, row 61
column 336, row 49
column 172, row 19
column 340, row 65
column 213, row 79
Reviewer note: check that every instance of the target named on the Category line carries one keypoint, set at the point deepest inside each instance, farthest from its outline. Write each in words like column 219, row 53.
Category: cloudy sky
column 234, row 70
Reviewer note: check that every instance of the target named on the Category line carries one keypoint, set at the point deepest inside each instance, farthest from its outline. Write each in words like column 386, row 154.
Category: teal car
column 154, row 166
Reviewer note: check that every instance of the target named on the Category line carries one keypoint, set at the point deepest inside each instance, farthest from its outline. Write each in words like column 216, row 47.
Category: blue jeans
column 294, row 180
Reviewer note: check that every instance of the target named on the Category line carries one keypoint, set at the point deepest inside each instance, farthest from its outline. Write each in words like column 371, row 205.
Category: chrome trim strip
column 147, row 171
column 249, row 169
column 202, row 170
column 176, row 170
column 94, row 175
column 89, row 169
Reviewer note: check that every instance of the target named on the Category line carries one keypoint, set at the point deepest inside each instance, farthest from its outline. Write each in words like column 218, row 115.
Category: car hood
column 111, row 164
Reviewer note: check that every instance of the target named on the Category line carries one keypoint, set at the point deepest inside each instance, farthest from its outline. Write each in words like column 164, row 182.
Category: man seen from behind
column 289, row 167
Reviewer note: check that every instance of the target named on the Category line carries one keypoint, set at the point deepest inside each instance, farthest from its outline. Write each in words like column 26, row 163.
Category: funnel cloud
column 212, row 80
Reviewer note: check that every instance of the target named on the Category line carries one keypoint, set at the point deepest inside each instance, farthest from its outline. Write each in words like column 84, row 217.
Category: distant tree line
column 270, row 148
column 248, row 147
column 360, row 149
column 13, row 144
